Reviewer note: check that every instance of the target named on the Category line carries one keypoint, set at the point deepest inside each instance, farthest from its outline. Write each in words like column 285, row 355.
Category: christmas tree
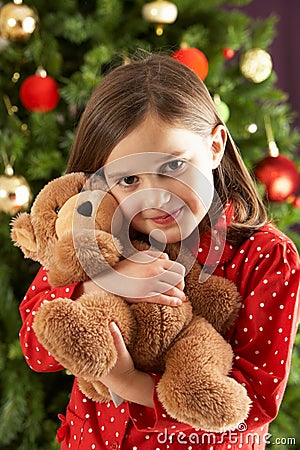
column 50, row 63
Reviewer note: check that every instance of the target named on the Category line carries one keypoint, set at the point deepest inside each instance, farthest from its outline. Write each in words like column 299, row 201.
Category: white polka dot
column 261, row 328
column 250, row 317
column 52, row 295
column 275, row 380
column 245, row 330
column 93, row 446
column 258, row 249
column 87, row 416
column 270, row 318
column 33, row 288
column 112, row 419
column 90, row 430
column 280, row 330
column 265, row 281
column 281, row 306
column 261, row 305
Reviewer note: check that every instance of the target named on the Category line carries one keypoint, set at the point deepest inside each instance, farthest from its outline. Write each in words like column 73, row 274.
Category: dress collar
column 213, row 250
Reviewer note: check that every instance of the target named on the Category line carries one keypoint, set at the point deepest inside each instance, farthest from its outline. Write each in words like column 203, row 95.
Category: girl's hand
column 124, row 379
column 152, row 277
column 147, row 277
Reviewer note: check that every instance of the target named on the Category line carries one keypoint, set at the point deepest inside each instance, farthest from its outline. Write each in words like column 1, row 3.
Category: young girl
column 166, row 156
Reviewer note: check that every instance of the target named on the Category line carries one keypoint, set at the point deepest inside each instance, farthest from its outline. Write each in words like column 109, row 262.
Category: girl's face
column 162, row 178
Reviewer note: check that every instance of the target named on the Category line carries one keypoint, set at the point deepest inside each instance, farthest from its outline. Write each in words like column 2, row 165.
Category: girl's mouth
column 167, row 218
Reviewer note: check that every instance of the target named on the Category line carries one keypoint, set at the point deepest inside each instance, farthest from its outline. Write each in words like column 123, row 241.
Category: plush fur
column 184, row 343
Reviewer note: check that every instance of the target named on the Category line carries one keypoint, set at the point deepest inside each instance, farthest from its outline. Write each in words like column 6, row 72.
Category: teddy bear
column 68, row 231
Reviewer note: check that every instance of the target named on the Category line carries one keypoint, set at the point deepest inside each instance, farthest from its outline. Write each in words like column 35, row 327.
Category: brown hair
column 163, row 86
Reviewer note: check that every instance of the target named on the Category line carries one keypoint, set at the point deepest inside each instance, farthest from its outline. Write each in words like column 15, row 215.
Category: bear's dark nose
column 85, row 209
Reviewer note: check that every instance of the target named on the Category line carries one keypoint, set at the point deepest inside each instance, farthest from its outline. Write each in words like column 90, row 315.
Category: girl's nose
column 156, row 198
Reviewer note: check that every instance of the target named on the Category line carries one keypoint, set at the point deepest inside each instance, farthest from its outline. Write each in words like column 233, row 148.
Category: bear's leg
column 95, row 391
column 195, row 387
column 77, row 332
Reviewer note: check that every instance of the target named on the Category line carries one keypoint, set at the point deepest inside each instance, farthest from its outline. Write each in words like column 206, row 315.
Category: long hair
column 164, row 87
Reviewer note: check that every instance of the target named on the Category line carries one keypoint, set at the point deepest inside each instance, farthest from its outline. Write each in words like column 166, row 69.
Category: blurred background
column 52, row 55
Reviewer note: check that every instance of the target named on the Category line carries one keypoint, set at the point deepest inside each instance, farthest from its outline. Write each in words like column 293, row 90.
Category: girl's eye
column 57, row 209
column 173, row 166
column 128, row 181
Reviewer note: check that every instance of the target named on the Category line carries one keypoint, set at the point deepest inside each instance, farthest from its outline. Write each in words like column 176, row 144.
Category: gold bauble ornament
column 161, row 13
column 256, row 65
column 15, row 194
column 17, row 21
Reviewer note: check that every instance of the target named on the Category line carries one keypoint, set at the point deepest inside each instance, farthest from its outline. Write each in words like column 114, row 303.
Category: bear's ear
column 22, row 234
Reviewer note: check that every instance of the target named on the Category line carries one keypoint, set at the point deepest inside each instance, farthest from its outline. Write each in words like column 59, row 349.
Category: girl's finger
column 118, row 338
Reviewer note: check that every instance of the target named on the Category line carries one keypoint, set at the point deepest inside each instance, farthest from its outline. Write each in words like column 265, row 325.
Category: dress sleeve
column 37, row 357
column 265, row 331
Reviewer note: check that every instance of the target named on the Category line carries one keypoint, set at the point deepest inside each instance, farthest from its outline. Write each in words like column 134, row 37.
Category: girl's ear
column 219, row 138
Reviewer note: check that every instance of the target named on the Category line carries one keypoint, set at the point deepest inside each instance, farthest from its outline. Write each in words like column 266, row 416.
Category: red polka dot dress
column 265, row 269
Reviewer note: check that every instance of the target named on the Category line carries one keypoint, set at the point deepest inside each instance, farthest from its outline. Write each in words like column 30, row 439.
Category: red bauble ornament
column 228, row 53
column 194, row 59
column 279, row 175
column 296, row 202
column 39, row 93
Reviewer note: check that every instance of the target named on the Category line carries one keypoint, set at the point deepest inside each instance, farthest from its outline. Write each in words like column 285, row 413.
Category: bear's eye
column 56, row 210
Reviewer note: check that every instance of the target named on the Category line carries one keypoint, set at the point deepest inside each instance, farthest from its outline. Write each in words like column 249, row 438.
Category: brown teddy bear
column 184, row 343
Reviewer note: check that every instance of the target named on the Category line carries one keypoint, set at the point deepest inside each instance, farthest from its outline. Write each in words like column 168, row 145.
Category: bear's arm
column 37, row 357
